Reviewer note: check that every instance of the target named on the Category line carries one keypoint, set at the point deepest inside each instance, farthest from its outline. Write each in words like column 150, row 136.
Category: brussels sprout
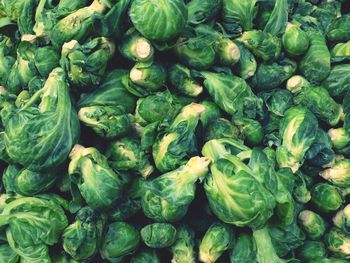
column 316, row 63
column 29, row 219
column 338, row 174
column 301, row 191
column 232, row 94
column 312, row 223
column 263, row 45
column 297, row 83
column 244, row 250
column 341, row 52
column 195, row 55
column 338, row 243
column 271, row 76
column 167, row 198
column 251, row 130
column 41, row 137
column 126, row 154
column 159, row 21
column 227, row 51
column 200, row 11
column 172, row 149
column 312, row 250
column 149, row 256
column 135, row 47
column 106, row 121
column 46, row 59
column 295, row 40
column 339, row 29
column 120, row 240
column 99, row 185
column 230, row 200
column 338, row 82
column 76, row 25
column 12, row 9
column 326, row 197
column 238, row 14
column 85, row 64
column 112, row 92
column 26, row 182
column 7, row 59
column 318, row 100
column 339, row 137
column 211, row 113
column 328, row 260
column 158, row 235
column 181, row 79
column 183, row 248
column 7, row 254
column 342, row 219
column 61, row 257
column 277, row 23
column 247, row 64
column 220, row 128
column 298, row 131
column 217, row 239
column 82, row 238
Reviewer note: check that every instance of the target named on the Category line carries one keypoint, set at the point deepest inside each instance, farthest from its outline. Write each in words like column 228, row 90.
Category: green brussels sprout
column 200, row 11
column 146, row 255
column 312, row 223
column 12, row 9
column 130, row 203
column 120, row 240
column 85, row 64
column 271, row 76
column 126, row 154
column 320, row 103
column 239, row 14
column 338, row 174
column 244, row 250
column 337, row 83
column 225, row 192
column 301, row 191
column 326, row 197
column 263, row 45
column 7, row 254
column 32, row 225
column 217, row 239
column 328, row 260
column 326, row 13
column 278, row 20
column 341, row 52
column 106, row 121
column 135, row 47
column 251, row 130
column 340, row 138
column 167, row 197
column 76, row 25
column 220, row 128
column 232, row 94
column 99, row 185
column 199, row 55
column 298, row 132
column 183, row 248
column 26, row 182
column 342, row 219
column 7, row 59
column 82, row 238
column 316, row 63
column 297, row 83
column 338, row 243
column 211, row 113
column 178, row 143
column 148, row 76
column 312, row 250
column 227, row 51
column 158, row 235
column 295, row 41
column 112, row 92
column 61, row 257
column 247, row 65
column 160, row 21
column 339, row 29
column 41, row 138
column 46, row 59
column 181, row 79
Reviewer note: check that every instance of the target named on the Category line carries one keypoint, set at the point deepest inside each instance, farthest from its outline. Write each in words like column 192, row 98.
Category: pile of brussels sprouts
column 183, row 131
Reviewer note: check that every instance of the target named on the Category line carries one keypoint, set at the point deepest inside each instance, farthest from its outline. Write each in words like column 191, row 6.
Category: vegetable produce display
column 175, row 131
